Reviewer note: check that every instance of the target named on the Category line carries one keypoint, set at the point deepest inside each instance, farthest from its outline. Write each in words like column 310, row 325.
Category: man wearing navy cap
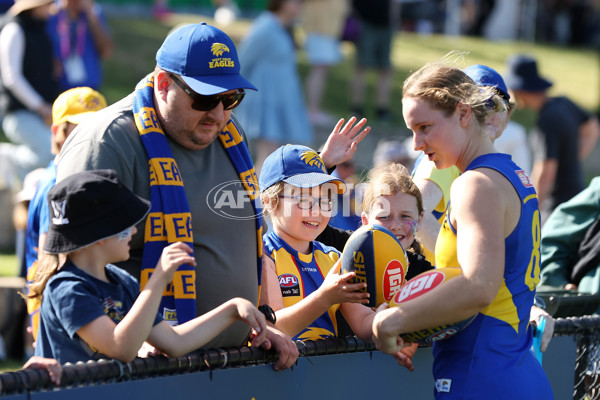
column 563, row 137
column 175, row 142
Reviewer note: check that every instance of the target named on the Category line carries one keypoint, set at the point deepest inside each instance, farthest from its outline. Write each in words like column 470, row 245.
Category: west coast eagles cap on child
column 90, row 206
column 297, row 165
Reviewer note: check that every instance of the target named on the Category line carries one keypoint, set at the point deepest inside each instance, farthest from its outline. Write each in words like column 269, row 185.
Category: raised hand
column 343, row 141
column 172, row 257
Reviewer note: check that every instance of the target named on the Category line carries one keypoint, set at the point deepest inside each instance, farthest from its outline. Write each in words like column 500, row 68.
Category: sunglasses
column 308, row 202
column 207, row 103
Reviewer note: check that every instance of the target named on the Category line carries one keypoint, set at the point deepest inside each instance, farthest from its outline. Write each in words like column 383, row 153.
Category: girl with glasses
column 302, row 275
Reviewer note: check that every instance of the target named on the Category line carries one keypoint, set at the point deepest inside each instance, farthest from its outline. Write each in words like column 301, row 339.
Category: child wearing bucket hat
column 304, row 285
column 92, row 309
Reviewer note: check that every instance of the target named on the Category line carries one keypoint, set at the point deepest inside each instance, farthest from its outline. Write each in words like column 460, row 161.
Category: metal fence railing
column 585, row 330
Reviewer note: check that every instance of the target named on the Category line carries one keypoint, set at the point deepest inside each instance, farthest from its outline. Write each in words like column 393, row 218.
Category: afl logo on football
column 287, row 280
column 417, row 286
column 393, row 279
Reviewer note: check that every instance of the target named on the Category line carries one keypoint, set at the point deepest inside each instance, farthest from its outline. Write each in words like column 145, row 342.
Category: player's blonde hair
column 444, row 87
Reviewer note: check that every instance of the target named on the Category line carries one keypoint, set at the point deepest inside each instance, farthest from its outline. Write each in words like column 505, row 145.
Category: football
column 416, row 287
column 378, row 259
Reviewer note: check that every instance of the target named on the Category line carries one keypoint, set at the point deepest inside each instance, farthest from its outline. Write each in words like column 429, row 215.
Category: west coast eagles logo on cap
column 312, row 158
column 218, row 49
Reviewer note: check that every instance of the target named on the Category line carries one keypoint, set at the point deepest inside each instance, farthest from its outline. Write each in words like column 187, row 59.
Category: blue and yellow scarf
column 170, row 219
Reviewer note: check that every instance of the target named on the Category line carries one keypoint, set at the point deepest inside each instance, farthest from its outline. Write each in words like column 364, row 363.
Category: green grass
column 576, row 72
column 8, row 264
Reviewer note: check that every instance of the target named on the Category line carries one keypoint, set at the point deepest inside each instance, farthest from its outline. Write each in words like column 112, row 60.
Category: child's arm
column 360, row 319
column 334, row 290
column 122, row 340
column 181, row 339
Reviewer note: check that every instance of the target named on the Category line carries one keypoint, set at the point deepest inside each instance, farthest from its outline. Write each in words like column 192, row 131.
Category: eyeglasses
column 207, row 103
column 308, row 202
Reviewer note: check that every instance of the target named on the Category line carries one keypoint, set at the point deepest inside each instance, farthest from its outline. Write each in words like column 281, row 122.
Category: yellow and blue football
column 418, row 286
column 378, row 259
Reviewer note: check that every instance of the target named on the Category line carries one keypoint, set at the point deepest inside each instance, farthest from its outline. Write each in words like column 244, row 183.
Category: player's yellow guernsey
column 443, row 178
column 491, row 358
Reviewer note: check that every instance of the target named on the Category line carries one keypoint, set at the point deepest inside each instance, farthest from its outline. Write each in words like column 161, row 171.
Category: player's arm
column 479, row 217
column 430, row 226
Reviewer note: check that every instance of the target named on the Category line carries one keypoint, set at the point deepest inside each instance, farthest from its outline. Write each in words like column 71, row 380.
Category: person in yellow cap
column 69, row 109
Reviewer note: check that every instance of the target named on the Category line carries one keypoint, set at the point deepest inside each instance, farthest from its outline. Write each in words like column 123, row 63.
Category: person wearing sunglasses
column 176, row 142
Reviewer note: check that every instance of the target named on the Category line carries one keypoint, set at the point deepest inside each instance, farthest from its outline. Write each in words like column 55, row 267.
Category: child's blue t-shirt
column 71, row 300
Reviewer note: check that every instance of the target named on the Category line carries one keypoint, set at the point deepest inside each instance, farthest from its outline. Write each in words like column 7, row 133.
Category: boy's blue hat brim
column 314, row 179
column 483, row 75
column 205, row 58
column 297, row 165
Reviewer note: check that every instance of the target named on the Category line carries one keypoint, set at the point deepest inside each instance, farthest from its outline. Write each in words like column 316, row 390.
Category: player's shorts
column 322, row 49
column 374, row 46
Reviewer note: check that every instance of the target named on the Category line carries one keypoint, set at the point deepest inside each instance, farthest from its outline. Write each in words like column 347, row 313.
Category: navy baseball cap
column 205, row 58
column 297, row 165
column 486, row 76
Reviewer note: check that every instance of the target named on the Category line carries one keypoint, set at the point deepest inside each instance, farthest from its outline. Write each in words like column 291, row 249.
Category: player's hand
column 343, row 141
column 172, row 257
column 534, row 316
column 385, row 339
column 283, row 344
column 49, row 364
column 247, row 312
column 337, row 288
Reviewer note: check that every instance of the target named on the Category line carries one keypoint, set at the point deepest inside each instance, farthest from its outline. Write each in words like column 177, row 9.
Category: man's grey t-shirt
column 224, row 231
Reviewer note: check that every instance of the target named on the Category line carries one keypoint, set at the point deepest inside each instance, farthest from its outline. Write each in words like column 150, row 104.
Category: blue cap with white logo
column 486, row 76
column 205, row 57
column 297, row 165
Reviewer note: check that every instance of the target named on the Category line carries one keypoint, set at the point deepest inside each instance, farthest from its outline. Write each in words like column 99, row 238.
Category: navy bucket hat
column 522, row 74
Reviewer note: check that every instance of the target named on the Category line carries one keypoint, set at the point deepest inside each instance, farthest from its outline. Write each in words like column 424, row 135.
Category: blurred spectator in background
column 393, row 151
column 268, row 59
column 323, row 22
column 481, row 9
column 81, row 39
column 27, row 89
column 564, row 134
column 373, row 50
column 570, row 248
column 69, row 109
column 20, row 214
column 514, row 141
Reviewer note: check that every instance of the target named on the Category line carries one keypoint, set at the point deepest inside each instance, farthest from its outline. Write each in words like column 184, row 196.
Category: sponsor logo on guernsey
column 218, row 49
column 443, row 385
column 524, row 178
column 289, row 284
column 308, row 269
